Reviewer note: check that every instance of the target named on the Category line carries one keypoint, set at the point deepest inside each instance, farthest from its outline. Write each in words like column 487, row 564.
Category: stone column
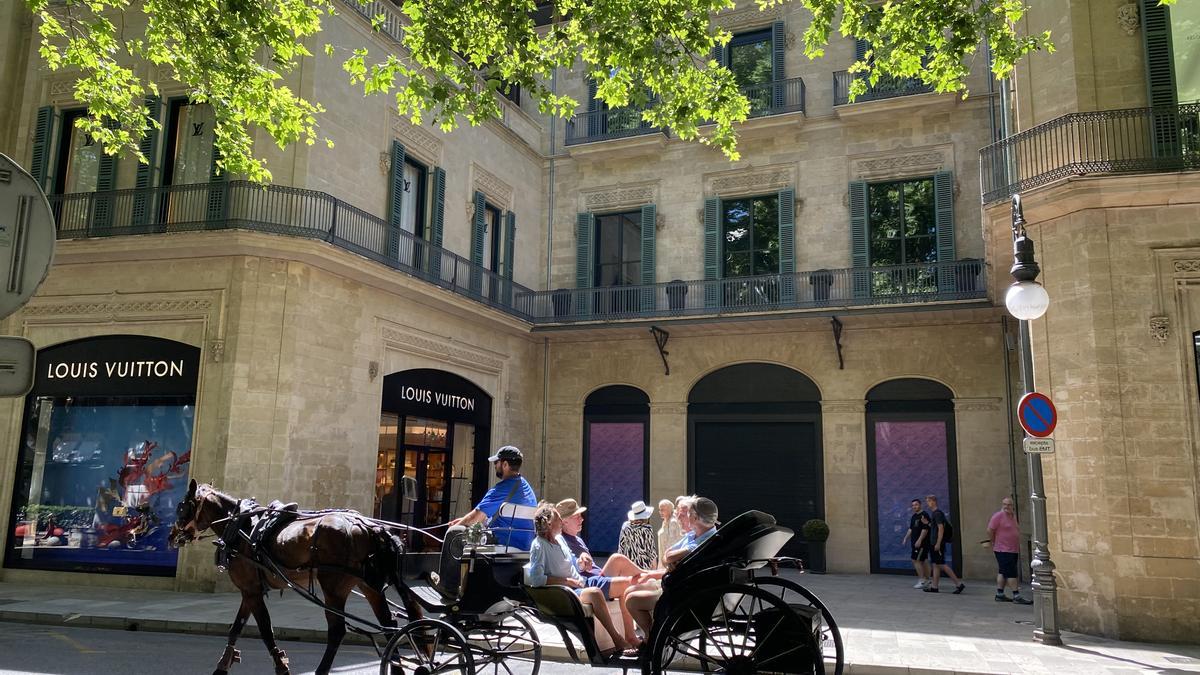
column 984, row 478
column 668, row 451
column 564, row 453
column 845, row 465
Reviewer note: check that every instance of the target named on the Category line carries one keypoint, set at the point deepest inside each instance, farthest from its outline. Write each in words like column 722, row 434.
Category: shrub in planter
column 815, row 533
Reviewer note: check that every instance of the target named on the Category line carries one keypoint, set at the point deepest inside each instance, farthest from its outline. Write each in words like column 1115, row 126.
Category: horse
column 342, row 549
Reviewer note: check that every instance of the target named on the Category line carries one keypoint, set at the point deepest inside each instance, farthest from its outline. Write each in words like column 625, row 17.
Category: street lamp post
column 1027, row 300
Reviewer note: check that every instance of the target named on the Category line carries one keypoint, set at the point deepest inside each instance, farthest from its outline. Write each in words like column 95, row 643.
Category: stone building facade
column 815, row 330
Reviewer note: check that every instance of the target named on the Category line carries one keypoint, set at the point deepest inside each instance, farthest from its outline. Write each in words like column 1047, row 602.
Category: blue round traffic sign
column 1037, row 415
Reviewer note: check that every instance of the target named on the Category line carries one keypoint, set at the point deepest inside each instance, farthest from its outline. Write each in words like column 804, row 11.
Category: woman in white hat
column 638, row 542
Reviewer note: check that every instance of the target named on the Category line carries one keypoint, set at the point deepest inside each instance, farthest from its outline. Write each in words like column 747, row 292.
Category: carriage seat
column 568, row 615
column 515, row 512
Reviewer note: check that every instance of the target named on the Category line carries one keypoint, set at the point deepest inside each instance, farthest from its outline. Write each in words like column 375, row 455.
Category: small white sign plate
column 1039, row 446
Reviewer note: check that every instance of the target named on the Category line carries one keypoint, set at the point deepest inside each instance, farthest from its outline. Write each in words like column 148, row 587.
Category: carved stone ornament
column 1187, row 266
column 750, row 180
column 1160, row 329
column 900, row 165
column 373, row 370
column 1129, row 18
column 407, row 340
column 497, row 192
column 64, row 87
column 622, row 196
column 738, row 20
column 418, row 142
column 217, row 349
column 385, row 162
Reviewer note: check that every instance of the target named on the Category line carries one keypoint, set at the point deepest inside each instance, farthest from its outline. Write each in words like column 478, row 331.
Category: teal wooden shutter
column 595, row 124
column 778, row 58
column 106, row 182
column 218, row 202
column 43, row 135
column 510, row 237
column 395, row 201
column 861, row 47
column 478, row 223
column 860, row 255
column 436, row 220
column 712, row 251
column 585, row 224
column 143, row 198
column 649, row 221
column 787, row 245
column 943, row 197
column 1160, row 79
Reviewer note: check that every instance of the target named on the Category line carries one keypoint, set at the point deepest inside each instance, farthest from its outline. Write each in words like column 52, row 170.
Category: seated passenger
column 670, row 532
column 512, row 489
column 552, row 563
column 617, row 565
column 641, row 598
column 637, row 541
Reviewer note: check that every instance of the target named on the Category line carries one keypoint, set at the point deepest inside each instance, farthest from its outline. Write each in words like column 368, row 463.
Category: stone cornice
column 984, row 404
column 750, row 180
column 417, row 343
column 848, row 406
column 619, row 196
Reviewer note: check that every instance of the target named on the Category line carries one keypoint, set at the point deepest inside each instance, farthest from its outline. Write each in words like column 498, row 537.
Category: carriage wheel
column 794, row 594
column 510, row 646
column 736, row 629
column 425, row 647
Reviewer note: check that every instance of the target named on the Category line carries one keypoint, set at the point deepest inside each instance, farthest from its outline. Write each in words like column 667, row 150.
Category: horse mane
column 223, row 495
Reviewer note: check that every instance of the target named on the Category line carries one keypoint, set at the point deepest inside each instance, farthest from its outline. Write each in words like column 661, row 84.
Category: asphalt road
column 27, row 648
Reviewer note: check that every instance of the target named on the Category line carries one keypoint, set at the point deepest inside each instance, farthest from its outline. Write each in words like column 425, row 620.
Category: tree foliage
column 237, row 55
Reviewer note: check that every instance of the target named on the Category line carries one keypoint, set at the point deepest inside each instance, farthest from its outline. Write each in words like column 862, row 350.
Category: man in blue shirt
column 512, row 489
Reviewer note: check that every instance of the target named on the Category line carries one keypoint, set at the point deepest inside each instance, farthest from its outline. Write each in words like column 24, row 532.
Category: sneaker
column 920, row 584
column 1021, row 601
column 959, row 589
column 1000, row 597
column 931, row 589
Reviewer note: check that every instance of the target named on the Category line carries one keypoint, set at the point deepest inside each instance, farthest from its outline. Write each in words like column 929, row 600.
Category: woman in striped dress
column 637, row 541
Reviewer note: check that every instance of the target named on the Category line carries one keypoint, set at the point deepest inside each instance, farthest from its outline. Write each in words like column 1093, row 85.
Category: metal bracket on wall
column 660, row 338
column 837, row 340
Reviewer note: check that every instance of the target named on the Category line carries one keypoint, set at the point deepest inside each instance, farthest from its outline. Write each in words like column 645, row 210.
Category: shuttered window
column 903, row 223
column 43, row 135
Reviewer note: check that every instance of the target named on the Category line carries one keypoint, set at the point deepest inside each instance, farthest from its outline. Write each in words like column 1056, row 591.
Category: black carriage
column 723, row 609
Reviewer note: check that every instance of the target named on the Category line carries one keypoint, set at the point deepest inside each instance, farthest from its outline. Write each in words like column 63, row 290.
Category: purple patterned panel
column 910, row 461
column 615, row 477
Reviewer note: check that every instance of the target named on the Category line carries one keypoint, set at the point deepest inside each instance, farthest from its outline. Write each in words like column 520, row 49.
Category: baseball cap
column 507, row 453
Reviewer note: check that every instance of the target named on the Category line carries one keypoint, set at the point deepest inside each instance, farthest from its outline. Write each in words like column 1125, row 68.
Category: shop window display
column 99, row 476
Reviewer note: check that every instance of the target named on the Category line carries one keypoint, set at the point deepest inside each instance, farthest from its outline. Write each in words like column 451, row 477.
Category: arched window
column 616, row 460
column 910, row 454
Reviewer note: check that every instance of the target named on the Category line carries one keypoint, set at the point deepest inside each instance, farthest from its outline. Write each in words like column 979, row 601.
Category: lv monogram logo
column 197, row 128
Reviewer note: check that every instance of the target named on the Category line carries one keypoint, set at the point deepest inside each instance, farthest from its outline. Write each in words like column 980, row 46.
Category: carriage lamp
column 1026, row 299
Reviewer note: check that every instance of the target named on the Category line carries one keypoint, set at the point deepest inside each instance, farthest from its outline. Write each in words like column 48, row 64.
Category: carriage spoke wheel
column 735, row 629
column 427, row 647
column 795, row 595
column 509, row 646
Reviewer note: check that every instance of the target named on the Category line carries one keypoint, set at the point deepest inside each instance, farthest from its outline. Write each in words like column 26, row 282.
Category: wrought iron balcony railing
column 1133, row 140
column 602, row 125
column 836, row 288
column 775, row 98
column 278, row 210
column 887, row 87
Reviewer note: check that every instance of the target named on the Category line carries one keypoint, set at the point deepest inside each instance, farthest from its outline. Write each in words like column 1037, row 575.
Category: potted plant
column 815, row 532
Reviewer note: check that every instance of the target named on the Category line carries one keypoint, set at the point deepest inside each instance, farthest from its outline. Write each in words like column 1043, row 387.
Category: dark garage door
column 771, row 466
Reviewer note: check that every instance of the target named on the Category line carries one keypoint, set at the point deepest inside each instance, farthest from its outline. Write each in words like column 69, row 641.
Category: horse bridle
column 190, row 509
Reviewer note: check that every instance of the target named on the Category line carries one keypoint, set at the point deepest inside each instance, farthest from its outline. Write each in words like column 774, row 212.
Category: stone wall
column 1115, row 351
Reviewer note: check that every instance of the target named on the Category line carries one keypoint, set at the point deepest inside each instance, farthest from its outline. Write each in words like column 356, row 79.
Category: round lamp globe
column 1027, row 300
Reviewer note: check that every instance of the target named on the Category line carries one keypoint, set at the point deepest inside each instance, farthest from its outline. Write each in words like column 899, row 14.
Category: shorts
column 939, row 557
column 920, row 554
column 603, row 583
column 1007, row 564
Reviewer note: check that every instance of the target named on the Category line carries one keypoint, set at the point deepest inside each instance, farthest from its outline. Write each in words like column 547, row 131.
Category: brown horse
column 341, row 549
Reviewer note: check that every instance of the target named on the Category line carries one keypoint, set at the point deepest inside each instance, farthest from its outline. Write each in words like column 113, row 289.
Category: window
column 750, row 227
column 78, row 157
column 618, row 249
column 413, row 199
column 493, row 236
column 902, row 227
column 511, row 92
column 748, row 57
column 190, row 148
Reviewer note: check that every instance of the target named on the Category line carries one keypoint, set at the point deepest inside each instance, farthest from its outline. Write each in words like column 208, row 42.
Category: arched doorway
column 754, row 442
column 616, row 460
column 434, row 438
column 910, row 454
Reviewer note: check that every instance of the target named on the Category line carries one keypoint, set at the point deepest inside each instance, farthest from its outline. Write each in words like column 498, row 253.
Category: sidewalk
column 887, row 626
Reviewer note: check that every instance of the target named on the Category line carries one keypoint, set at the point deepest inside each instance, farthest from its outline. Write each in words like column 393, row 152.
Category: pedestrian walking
column 942, row 533
column 918, row 535
column 1004, row 532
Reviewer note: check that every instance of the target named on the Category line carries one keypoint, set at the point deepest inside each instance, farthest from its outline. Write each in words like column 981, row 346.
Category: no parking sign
column 1037, row 414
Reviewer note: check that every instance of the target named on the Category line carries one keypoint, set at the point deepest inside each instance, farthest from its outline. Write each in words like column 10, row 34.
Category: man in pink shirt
column 1005, row 534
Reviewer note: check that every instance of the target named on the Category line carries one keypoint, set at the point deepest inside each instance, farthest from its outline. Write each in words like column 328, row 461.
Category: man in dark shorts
column 941, row 533
column 1004, row 533
column 918, row 535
